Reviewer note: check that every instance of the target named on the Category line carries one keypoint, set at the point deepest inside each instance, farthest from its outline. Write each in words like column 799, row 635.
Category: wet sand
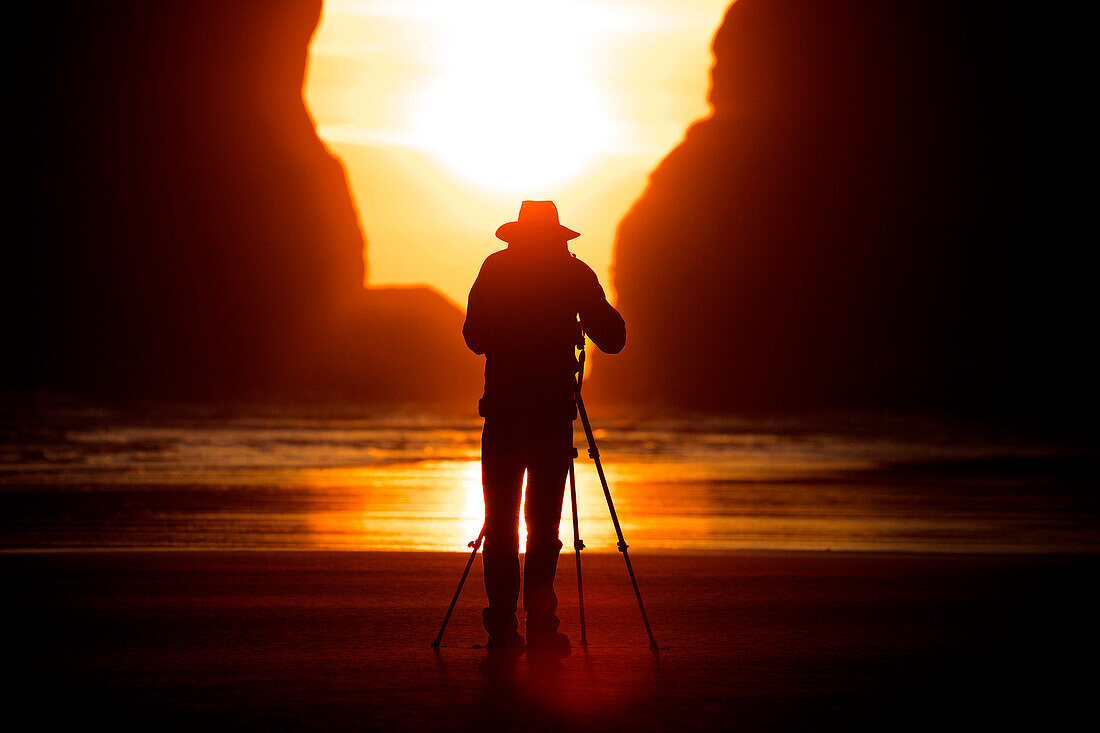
column 749, row 641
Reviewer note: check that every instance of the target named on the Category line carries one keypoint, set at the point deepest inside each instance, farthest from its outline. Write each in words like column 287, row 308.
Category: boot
column 502, row 628
column 551, row 640
column 539, row 599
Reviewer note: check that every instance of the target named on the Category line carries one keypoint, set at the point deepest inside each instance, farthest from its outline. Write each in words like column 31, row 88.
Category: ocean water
column 95, row 480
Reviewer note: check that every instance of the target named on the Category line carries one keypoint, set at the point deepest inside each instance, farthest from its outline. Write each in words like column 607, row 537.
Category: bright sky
column 448, row 114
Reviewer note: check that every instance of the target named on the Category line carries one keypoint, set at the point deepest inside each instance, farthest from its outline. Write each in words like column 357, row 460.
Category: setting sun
column 448, row 115
column 515, row 106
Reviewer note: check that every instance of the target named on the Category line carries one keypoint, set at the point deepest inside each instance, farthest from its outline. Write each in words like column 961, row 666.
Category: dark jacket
column 522, row 315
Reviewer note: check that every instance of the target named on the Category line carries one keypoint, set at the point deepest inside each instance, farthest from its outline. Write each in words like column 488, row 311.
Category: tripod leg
column 578, row 545
column 594, row 452
column 476, row 544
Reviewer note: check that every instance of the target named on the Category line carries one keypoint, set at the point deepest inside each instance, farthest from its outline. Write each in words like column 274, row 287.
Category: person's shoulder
column 580, row 270
column 495, row 260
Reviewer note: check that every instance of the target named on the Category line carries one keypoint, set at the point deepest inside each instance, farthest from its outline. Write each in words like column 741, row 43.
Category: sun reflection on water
column 438, row 505
column 414, row 483
column 473, row 507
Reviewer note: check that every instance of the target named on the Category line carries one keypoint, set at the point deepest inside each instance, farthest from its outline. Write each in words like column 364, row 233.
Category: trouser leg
column 546, row 474
column 502, row 481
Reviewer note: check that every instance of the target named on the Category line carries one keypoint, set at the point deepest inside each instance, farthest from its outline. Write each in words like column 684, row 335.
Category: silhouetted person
column 522, row 315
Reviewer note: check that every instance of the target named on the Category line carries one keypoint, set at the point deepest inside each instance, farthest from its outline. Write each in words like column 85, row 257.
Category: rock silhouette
column 846, row 230
column 184, row 233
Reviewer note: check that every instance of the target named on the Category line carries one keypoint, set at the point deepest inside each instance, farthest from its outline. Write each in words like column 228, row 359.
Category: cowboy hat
column 536, row 219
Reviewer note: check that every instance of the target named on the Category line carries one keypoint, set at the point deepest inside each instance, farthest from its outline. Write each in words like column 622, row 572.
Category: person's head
column 537, row 228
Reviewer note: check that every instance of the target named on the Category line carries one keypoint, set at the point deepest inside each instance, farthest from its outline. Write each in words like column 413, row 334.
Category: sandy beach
column 749, row 641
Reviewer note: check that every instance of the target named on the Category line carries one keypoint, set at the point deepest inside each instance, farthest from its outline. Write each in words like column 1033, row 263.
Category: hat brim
column 519, row 230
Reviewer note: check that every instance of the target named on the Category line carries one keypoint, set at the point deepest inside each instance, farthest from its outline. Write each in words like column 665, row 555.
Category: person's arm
column 475, row 329
column 599, row 319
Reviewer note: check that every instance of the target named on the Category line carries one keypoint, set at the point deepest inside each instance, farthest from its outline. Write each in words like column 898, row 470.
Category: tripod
column 578, row 544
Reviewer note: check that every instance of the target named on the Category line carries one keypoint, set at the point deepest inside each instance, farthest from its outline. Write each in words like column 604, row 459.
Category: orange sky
column 448, row 114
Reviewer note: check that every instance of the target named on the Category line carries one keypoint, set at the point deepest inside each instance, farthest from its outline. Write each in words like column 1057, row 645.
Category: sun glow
column 515, row 106
column 448, row 114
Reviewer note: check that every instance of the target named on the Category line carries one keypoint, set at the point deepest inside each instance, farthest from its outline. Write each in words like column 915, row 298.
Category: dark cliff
column 182, row 232
column 847, row 229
